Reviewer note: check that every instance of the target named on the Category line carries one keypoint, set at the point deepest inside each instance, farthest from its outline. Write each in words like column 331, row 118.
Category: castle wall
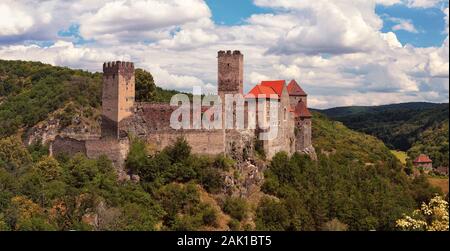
column 285, row 140
column 151, row 122
column 295, row 99
column 303, row 133
column 115, row 150
column 67, row 146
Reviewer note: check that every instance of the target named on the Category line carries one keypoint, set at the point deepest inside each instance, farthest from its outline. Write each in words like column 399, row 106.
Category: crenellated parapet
column 118, row 67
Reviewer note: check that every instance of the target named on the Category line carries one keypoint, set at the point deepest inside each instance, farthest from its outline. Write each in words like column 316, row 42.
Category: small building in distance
column 424, row 162
column 442, row 170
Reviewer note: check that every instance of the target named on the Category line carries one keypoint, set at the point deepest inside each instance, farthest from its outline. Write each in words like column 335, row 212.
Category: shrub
column 235, row 207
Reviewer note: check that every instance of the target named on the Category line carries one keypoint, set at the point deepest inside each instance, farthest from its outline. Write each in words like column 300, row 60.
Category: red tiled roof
column 294, row 89
column 261, row 90
column 301, row 110
column 423, row 159
column 276, row 85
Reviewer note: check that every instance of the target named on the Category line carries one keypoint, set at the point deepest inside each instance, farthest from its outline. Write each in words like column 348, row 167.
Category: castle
column 122, row 117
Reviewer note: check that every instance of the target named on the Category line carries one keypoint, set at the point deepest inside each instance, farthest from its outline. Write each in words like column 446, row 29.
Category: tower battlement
column 229, row 53
column 115, row 67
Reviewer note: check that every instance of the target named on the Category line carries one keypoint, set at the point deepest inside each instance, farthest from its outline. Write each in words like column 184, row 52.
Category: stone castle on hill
column 122, row 116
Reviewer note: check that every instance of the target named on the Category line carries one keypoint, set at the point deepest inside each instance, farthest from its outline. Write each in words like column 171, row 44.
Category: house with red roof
column 424, row 162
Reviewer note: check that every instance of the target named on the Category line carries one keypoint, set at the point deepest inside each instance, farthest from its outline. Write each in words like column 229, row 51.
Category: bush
column 235, row 207
column 271, row 216
column 234, row 225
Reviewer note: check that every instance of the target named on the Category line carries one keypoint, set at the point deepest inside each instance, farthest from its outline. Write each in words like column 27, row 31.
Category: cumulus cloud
column 334, row 49
column 141, row 19
column 332, row 27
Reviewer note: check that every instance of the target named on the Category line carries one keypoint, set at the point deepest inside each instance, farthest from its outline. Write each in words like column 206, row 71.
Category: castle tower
column 117, row 96
column 303, row 127
column 230, row 73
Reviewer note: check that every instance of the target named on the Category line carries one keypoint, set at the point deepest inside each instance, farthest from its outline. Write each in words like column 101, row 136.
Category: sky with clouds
column 342, row 52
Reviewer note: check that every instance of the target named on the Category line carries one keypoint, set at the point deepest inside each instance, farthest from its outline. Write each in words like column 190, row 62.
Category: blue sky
column 428, row 21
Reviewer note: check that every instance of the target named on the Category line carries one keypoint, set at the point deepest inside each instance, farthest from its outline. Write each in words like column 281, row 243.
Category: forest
column 412, row 127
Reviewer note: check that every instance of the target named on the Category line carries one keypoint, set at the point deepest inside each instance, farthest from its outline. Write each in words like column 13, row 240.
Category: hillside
column 32, row 92
column 401, row 126
column 356, row 184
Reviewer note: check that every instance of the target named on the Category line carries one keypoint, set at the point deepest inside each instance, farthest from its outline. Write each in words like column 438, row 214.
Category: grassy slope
column 335, row 138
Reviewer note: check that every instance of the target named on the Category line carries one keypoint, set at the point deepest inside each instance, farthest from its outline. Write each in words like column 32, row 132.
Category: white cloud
column 13, row 21
column 423, row 3
column 140, row 19
column 331, row 27
column 403, row 24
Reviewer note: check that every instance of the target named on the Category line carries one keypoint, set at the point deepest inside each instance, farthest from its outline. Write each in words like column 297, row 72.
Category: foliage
column 145, row 85
column 35, row 90
column 13, row 155
column 430, row 217
column 175, row 164
column 434, row 143
column 271, row 215
column 423, row 127
column 333, row 138
column 312, row 194
column 236, row 207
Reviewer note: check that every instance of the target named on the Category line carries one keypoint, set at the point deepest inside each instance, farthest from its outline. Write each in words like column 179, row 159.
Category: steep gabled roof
column 423, row 159
column 276, row 85
column 301, row 110
column 295, row 90
column 261, row 90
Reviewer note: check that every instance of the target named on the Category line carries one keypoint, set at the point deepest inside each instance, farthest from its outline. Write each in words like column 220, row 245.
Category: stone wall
column 230, row 72
column 115, row 150
column 285, row 137
column 67, row 146
column 151, row 122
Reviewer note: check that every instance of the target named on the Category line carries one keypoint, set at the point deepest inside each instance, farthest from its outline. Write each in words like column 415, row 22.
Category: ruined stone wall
column 115, row 150
column 67, row 146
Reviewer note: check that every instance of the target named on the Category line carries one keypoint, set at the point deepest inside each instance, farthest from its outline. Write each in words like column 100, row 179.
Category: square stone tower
column 117, row 96
column 230, row 73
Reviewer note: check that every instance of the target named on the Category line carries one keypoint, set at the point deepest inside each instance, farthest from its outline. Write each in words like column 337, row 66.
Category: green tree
column 145, row 85
column 13, row 154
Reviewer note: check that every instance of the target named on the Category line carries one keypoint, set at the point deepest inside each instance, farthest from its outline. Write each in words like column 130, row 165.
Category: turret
column 117, row 96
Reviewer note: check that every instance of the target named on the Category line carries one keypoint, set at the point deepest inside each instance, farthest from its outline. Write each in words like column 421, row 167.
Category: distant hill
column 401, row 126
